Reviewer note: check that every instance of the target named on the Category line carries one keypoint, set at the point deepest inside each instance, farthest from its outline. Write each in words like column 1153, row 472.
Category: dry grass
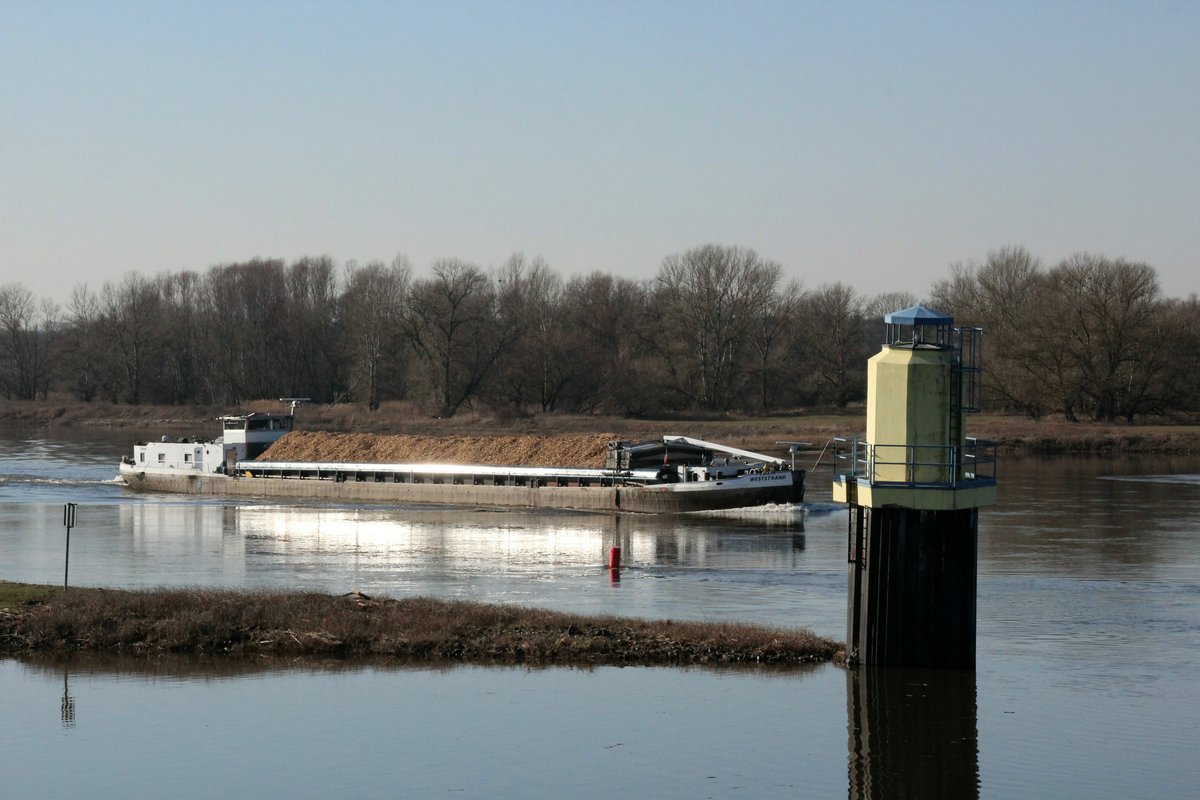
column 1057, row 435
column 759, row 433
column 289, row 624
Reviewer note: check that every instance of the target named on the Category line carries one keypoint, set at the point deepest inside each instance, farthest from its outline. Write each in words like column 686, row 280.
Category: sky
column 873, row 144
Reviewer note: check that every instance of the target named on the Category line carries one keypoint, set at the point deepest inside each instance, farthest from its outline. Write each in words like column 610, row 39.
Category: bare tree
column 773, row 334
column 1177, row 339
column 606, row 331
column 450, row 320
column 709, row 299
column 372, row 308
column 26, row 331
column 181, row 349
column 131, row 321
column 835, row 343
column 539, row 366
column 884, row 303
column 1005, row 296
column 876, row 308
column 1105, row 329
column 312, row 331
column 245, row 330
column 84, row 357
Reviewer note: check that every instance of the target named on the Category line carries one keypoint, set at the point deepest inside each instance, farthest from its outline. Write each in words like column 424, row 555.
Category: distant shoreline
column 1013, row 434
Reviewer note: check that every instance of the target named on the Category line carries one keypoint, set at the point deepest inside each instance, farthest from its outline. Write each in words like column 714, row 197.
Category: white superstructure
column 243, row 437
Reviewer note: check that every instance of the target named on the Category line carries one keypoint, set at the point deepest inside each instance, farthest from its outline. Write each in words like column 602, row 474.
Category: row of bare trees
column 1090, row 337
column 718, row 329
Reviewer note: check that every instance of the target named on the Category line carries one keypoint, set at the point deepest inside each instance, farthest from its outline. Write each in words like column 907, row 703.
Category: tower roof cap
column 918, row 316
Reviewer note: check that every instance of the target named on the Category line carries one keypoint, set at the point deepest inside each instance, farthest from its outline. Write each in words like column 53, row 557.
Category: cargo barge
column 672, row 475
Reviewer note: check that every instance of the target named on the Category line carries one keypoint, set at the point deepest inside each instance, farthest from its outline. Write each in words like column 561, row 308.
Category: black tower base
column 912, row 587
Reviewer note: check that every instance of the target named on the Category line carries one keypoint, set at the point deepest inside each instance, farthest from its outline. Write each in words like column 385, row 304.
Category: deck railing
column 915, row 465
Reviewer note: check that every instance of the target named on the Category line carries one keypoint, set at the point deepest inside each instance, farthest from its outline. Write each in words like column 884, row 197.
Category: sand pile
column 529, row 451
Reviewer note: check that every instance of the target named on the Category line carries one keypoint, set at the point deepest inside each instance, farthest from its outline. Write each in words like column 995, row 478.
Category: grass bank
column 1049, row 434
column 45, row 621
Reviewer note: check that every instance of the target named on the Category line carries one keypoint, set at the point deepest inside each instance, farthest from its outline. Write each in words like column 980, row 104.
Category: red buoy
column 614, row 558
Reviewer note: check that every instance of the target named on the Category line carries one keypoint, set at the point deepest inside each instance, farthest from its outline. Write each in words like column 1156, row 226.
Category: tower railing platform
column 915, row 466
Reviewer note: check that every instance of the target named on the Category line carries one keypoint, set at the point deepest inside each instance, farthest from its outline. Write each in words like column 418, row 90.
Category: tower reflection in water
column 913, row 733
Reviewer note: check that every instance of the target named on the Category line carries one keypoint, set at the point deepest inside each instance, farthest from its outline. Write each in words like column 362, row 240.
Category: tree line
column 717, row 329
column 1091, row 337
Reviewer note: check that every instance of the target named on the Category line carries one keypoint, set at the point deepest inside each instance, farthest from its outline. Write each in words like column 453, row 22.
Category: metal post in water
column 69, row 522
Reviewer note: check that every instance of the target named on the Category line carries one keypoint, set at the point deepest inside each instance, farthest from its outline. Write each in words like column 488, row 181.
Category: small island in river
column 46, row 621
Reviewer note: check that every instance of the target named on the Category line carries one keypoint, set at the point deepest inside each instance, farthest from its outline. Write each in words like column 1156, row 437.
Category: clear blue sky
column 872, row 143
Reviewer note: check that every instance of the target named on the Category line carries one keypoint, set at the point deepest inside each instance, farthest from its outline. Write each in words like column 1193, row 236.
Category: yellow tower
column 913, row 485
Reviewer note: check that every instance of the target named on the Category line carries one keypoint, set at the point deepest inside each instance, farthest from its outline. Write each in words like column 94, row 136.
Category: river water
column 1086, row 686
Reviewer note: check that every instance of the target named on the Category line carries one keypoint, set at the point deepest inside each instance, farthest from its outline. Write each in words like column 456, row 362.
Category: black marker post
column 69, row 521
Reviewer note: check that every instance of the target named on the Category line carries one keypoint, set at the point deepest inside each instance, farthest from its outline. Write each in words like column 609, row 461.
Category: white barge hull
column 753, row 489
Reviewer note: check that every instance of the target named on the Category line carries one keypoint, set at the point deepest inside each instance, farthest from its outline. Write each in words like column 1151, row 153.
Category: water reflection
column 912, row 733
column 67, row 707
column 472, row 535
column 315, row 732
